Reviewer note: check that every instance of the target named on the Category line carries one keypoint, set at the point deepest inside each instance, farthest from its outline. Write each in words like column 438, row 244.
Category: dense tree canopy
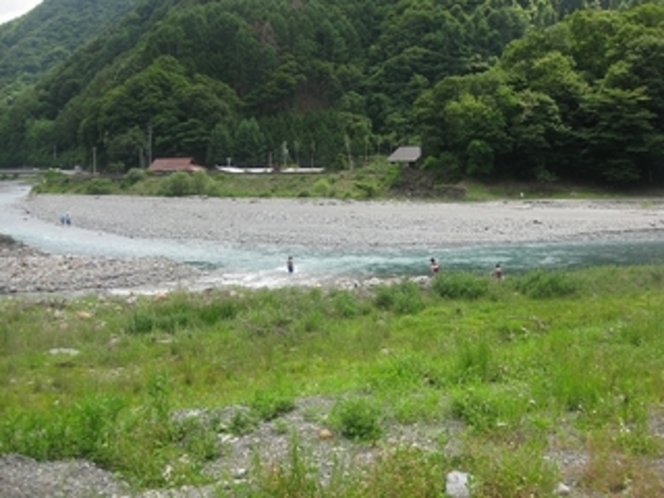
column 532, row 89
column 582, row 100
column 35, row 43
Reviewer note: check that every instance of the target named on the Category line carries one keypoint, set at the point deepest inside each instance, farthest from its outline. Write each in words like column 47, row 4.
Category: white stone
column 457, row 484
column 64, row 351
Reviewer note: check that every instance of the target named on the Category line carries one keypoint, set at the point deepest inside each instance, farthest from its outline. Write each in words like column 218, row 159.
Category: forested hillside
column 331, row 82
column 48, row 35
column 582, row 100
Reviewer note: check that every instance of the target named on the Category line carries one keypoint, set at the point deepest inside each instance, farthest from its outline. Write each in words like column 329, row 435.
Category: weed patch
column 542, row 284
column 358, row 419
column 404, row 298
column 458, row 285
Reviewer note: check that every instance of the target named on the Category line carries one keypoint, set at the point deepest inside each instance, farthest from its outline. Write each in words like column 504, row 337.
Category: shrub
column 269, row 405
column 487, row 408
column 99, row 186
column 369, row 190
column 201, row 183
column 242, row 423
column 322, row 187
column 393, row 175
column 116, row 167
column 216, row 311
column 133, row 176
column 197, row 438
column 542, row 284
column 460, row 285
column 346, row 305
column 404, row 298
column 178, row 184
column 358, row 419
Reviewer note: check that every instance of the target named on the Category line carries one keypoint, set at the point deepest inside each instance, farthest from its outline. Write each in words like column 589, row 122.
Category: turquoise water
column 256, row 265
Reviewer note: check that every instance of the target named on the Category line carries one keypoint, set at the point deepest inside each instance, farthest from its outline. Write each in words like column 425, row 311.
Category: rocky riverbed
column 347, row 225
column 25, row 270
column 335, row 226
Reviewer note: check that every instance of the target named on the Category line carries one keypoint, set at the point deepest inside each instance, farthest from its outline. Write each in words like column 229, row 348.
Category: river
column 265, row 265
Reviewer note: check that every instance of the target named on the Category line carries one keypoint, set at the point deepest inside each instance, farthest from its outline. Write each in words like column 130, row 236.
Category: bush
column 133, row 176
column 178, row 184
column 460, row 286
column 487, row 408
column 269, row 405
column 201, row 183
column 358, row 419
column 242, row 423
column 346, row 305
column 322, row 187
column 404, row 298
column 369, row 190
column 546, row 284
column 99, row 186
column 216, row 311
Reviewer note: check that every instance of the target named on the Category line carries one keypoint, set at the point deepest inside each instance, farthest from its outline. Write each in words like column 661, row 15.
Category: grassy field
column 372, row 181
column 526, row 369
column 377, row 180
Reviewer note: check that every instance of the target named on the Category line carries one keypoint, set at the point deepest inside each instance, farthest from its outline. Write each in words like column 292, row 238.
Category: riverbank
column 352, row 225
column 25, row 270
column 259, row 233
column 301, row 392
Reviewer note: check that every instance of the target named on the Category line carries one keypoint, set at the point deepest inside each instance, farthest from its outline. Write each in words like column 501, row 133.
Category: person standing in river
column 434, row 266
column 498, row 272
column 289, row 264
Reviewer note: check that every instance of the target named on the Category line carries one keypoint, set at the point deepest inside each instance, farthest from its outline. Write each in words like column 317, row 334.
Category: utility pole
column 149, row 145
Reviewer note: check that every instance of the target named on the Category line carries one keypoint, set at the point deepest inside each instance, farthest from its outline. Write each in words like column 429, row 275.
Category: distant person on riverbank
column 434, row 266
column 498, row 272
column 65, row 219
column 289, row 264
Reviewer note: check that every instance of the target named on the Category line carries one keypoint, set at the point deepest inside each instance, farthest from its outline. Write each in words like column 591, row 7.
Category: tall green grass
column 372, row 181
column 507, row 375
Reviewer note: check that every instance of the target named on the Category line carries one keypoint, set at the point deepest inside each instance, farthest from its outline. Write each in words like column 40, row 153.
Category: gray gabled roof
column 406, row 154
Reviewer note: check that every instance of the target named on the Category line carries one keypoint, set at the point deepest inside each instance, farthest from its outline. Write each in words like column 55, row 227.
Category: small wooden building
column 409, row 155
column 173, row 164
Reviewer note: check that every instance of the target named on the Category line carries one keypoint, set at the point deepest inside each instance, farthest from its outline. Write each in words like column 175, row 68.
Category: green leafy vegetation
column 358, row 419
column 510, row 378
column 45, row 37
column 534, row 91
column 384, row 178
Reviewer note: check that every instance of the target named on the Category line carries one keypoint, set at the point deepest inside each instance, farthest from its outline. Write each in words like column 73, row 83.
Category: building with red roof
column 173, row 164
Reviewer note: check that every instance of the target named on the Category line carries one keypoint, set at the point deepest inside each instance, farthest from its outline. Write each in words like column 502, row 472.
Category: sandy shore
column 353, row 225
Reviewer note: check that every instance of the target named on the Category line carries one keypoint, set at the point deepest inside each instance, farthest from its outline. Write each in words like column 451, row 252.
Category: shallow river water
column 252, row 266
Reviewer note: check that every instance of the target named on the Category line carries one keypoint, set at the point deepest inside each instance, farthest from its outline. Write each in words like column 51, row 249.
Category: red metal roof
column 175, row 164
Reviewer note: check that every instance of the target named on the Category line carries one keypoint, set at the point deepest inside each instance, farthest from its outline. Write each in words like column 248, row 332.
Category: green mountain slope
column 49, row 34
column 306, row 81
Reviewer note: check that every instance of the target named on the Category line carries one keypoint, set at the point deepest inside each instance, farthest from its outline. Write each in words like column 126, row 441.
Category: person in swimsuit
column 433, row 265
column 498, row 272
